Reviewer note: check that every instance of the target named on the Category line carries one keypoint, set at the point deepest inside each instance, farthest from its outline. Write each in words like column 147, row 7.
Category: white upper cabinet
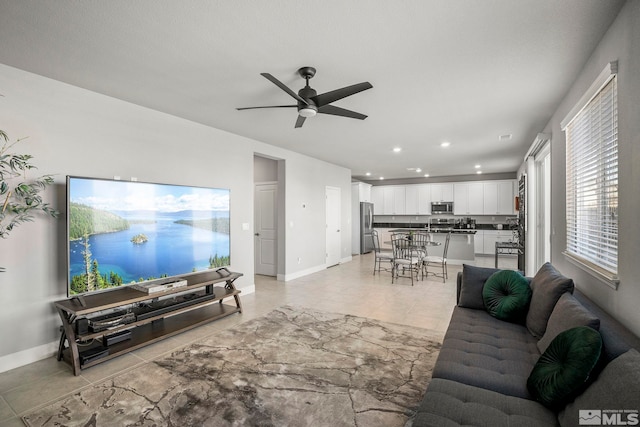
column 399, row 200
column 362, row 191
column 468, row 198
column 377, row 198
column 461, row 198
column 424, row 199
column 442, row 192
column 417, row 199
column 499, row 198
column 506, row 197
column 411, row 205
column 391, row 199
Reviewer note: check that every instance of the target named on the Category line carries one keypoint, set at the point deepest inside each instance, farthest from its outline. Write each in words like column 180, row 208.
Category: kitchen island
column 461, row 243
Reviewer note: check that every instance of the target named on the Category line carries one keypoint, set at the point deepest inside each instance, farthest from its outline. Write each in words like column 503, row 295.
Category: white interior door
column 333, row 226
column 266, row 231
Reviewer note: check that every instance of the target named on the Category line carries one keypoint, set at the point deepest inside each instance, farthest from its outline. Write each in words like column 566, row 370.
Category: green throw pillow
column 506, row 295
column 563, row 369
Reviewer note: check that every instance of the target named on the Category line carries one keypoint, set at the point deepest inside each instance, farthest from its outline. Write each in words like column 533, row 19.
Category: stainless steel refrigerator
column 366, row 225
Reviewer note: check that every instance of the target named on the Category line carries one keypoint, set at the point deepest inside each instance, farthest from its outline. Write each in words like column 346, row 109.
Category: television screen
column 123, row 232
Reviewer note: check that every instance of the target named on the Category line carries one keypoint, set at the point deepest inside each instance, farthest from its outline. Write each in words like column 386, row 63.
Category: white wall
column 619, row 43
column 72, row 131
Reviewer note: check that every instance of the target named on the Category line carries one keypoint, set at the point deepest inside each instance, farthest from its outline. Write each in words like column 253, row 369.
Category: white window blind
column 592, row 181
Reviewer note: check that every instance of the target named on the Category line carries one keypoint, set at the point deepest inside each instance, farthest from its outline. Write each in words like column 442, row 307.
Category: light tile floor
column 349, row 288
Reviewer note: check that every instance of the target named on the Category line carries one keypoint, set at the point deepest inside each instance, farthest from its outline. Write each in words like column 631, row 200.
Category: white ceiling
column 463, row 71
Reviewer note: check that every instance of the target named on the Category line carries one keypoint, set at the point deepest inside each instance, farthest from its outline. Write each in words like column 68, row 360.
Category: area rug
column 291, row 367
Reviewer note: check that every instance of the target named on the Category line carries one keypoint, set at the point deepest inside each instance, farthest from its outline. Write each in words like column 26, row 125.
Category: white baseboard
column 301, row 273
column 346, row 259
column 30, row 355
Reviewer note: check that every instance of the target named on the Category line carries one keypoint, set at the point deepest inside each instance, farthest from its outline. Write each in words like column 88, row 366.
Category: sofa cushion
column 473, row 279
column 568, row 313
column 506, row 296
column 448, row 403
column 616, row 388
column 564, row 368
column 547, row 286
column 485, row 352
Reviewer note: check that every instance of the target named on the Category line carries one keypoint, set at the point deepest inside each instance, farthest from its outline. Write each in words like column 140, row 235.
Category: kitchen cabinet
column 499, row 198
column 377, row 198
column 417, row 199
column 411, row 204
column 442, row 192
column 468, row 198
column 393, row 200
column 424, row 199
column 360, row 192
column 478, row 243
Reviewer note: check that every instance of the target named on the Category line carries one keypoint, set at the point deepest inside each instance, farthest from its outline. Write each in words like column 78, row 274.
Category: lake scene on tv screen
column 123, row 232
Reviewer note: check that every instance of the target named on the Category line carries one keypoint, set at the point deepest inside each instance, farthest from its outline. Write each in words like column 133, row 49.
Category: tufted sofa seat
column 480, row 377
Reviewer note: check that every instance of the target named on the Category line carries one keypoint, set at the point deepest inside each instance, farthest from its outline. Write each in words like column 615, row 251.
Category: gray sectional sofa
column 482, row 373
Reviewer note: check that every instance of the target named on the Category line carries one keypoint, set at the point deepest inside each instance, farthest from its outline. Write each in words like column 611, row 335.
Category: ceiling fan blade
column 300, row 121
column 334, row 95
column 267, row 106
column 337, row 111
column 284, row 87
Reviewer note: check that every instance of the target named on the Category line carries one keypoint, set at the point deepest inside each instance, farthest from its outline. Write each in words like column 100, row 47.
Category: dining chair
column 420, row 241
column 404, row 258
column 380, row 255
column 439, row 261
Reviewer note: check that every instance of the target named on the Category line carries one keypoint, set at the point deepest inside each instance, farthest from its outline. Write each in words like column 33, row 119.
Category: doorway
column 333, row 240
column 268, row 199
column 266, row 228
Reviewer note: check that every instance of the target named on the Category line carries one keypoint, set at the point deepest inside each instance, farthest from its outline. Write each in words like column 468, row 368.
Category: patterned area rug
column 292, row 367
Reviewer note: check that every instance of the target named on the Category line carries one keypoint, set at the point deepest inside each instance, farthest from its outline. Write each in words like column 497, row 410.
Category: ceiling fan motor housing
column 310, row 109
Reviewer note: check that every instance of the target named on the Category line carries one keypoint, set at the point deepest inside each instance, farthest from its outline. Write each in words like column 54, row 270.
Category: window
column 592, row 179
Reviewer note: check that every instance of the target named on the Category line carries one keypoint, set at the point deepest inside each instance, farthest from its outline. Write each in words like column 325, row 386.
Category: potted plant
column 20, row 199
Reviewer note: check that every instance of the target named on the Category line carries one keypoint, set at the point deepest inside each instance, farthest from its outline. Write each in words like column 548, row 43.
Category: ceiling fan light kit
column 310, row 103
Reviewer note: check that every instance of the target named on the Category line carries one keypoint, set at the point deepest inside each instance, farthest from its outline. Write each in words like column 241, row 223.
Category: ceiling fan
column 310, row 103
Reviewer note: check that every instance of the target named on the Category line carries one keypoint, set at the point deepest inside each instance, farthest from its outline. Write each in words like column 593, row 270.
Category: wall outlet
column 299, row 260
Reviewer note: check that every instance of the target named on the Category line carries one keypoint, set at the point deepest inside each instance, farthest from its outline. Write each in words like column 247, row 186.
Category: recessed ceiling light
column 368, row 174
column 505, row 137
column 445, row 144
column 477, row 166
column 397, row 149
column 382, row 177
column 479, row 172
column 426, row 175
column 418, row 170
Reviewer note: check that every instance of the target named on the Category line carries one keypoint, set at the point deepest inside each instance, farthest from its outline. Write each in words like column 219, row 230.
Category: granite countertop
column 436, row 230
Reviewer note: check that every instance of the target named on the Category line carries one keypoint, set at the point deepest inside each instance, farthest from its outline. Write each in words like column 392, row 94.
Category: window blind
column 592, row 182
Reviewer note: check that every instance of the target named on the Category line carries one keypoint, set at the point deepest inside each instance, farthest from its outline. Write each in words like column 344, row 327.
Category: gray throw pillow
column 473, row 279
column 547, row 286
column 568, row 313
column 617, row 388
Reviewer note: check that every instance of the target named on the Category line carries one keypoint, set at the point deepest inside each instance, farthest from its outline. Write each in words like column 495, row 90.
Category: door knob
column 257, row 234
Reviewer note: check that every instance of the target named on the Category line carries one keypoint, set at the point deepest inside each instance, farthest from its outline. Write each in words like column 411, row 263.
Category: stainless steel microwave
column 441, row 207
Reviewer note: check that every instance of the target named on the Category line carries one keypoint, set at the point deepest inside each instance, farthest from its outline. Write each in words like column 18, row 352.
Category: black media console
column 101, row 326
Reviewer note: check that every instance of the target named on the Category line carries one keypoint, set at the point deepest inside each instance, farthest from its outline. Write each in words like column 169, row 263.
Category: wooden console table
column 148, row 317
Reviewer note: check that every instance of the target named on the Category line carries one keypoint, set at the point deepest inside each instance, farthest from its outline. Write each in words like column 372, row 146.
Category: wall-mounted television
column 125, row 232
